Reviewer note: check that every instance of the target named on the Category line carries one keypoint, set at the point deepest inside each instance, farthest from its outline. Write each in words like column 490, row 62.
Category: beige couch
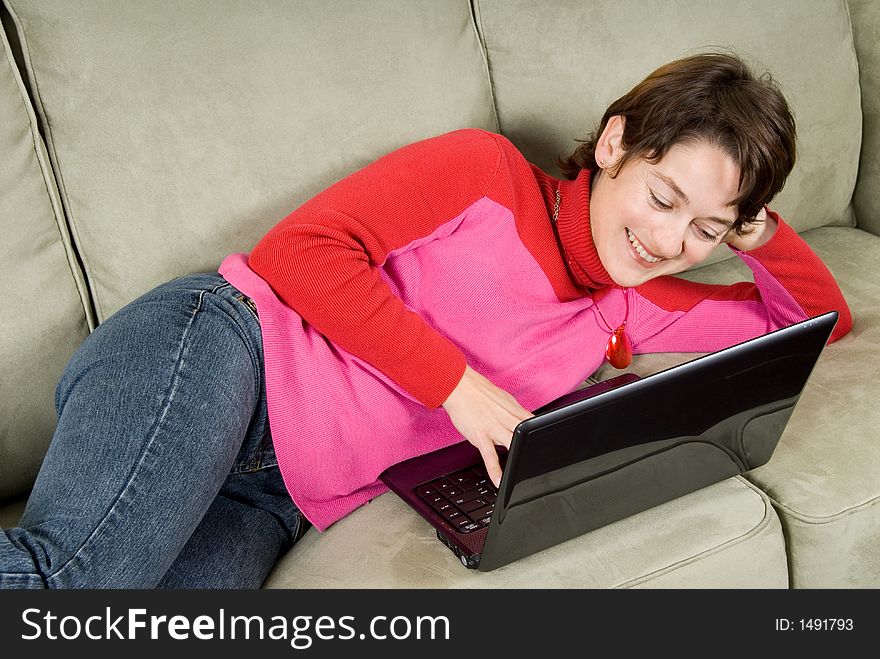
column 144, row 140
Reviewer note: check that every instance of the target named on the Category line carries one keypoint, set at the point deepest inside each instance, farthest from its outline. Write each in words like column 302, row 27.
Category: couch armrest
column 865, row 16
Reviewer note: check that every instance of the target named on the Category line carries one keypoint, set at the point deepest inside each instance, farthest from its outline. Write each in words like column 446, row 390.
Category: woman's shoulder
column 470, row 140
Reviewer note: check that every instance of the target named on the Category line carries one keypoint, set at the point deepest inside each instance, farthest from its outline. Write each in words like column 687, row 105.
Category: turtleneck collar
column 575, row 235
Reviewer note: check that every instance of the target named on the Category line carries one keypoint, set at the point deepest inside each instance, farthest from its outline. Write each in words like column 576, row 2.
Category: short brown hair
column 711, row 97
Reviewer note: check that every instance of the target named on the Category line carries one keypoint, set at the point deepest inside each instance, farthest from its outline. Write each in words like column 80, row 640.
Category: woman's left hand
column 762, row 231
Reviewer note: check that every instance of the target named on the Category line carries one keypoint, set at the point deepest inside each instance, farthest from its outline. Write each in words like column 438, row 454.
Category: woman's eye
column 659, row 204
column 706, row 235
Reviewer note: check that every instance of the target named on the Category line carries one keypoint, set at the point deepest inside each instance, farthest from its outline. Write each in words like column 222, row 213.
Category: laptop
column 613, row 449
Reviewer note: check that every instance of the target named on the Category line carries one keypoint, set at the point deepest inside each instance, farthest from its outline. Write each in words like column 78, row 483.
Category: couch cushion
column 824, row 477
column 44, row 317
column 866, row 35
column 184, row 133
column 725, row 536
column 11, row 511
column 557, row 65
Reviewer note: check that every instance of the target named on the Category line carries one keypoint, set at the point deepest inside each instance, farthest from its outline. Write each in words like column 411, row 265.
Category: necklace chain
column 625, row 315
column 596, row 304
column 618, row 351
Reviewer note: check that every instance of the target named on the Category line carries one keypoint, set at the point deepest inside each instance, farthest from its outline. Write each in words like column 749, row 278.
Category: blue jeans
column 161, row 472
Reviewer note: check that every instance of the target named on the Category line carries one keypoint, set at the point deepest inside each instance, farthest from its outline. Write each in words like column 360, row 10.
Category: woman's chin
column 630, row 276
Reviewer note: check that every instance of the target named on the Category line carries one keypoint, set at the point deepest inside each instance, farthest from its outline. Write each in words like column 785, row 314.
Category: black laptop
column 613, row 449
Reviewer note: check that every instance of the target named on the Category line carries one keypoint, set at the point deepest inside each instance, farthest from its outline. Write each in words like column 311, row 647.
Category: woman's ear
column 608, row 147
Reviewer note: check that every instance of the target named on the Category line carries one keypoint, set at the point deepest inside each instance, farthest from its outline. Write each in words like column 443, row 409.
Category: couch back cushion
column 182, row 131
column 43, row 315
column 557, row 65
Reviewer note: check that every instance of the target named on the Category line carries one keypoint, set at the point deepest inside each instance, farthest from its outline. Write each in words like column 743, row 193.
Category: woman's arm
column 790, row 284
column 323, row 259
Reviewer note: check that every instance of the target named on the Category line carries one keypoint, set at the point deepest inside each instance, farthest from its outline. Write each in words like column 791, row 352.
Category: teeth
column 639, row 249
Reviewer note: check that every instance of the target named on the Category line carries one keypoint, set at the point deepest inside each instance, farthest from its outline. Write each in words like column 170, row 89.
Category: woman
column 442, row 291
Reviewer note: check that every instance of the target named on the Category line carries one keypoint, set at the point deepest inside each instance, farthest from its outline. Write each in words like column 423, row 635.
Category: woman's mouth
column 639, row 252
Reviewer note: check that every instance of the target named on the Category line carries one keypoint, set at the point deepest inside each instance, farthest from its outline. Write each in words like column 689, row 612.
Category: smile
column 640, row 249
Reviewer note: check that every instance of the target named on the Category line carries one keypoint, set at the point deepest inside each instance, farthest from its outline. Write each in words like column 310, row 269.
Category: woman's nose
column 669, row 242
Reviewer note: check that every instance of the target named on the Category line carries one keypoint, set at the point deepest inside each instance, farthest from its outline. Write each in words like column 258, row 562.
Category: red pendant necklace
column 618, row 350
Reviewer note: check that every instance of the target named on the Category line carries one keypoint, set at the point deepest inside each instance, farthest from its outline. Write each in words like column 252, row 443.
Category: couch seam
column 816, row 520
column 855, row 55
column 477, row 24
column 755, row 530
column 78, row 274
column 93, row 314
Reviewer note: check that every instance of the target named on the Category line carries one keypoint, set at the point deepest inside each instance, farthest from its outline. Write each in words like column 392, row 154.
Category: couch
column 145, row 140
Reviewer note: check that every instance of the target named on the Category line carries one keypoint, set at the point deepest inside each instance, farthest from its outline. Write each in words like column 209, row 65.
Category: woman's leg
column 248, row 526
column 153, row 409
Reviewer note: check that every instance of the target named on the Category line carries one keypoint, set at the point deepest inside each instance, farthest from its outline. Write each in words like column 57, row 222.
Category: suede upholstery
column 145, row 140
column 866, row 35
column 44, row 314
column 183, row 128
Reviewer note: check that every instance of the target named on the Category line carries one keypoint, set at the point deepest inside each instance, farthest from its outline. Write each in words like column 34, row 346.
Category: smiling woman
column 645, row 224
column 683, row 161
column 441, row 292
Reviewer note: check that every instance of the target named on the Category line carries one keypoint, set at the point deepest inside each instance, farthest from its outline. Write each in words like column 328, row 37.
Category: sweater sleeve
column 323, row 259
column 791, row 284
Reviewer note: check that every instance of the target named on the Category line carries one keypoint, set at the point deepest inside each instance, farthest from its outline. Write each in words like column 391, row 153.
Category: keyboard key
column 441, row 506
column 485, row 521
column 425, row 490
column 451, row 514
column 468, row 506
column 461, row 499
column 481, row 512
column 467, row 528
column 459, row 521
column 466, row 481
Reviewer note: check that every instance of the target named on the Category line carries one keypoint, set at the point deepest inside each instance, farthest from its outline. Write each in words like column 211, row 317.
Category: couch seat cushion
column 725, row 536
column 825, row 476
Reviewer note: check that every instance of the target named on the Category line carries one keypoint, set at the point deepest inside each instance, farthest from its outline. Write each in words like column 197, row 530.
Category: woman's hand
column 486, row 416
column 763, row 230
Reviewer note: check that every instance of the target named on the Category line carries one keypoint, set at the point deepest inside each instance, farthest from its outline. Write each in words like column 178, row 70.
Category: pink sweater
column 374, row 295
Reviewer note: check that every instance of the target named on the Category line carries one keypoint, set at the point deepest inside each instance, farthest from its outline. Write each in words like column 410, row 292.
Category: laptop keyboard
column 466, row 498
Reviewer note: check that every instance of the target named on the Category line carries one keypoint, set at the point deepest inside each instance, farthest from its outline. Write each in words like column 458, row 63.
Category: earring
column 603, row 163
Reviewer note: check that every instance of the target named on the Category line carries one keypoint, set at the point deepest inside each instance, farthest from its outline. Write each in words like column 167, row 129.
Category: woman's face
column 653, row 220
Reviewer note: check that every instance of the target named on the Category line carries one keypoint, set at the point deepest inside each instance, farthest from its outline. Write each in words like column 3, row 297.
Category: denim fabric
column 161, row 472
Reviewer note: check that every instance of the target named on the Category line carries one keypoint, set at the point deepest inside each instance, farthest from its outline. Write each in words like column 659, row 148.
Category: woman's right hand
column 486, row 416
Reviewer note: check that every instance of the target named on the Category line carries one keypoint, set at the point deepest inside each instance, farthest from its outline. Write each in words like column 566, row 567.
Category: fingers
column 490, row 459
column 486, row 416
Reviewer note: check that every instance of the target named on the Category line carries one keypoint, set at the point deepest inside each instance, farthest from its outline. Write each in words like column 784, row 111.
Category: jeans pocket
column 255, row 455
